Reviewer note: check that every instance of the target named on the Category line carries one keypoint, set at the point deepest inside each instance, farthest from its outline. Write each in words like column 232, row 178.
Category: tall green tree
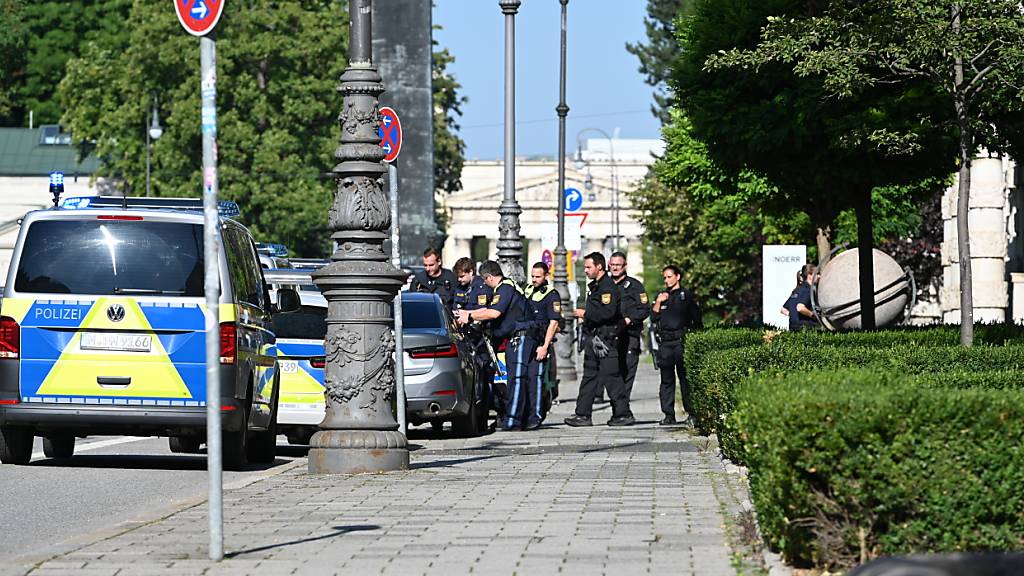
column 278, row 65
column 658, row 54
column 969, row 51
column 823, row 155
column 449, row 148
column 13, row 40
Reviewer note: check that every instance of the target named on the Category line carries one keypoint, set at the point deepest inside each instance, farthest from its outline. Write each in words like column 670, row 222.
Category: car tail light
column 2, row 402
column 10, row 338
column 445, row 393
column 117, row 217
column 318, row 362
column 228, row 343
column 449, row 351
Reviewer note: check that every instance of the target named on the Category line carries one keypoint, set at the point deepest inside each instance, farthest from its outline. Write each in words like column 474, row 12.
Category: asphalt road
column 109, row 481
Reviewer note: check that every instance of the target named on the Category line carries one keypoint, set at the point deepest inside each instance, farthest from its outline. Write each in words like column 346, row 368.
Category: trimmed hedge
column 714, row 397
column 867, row 463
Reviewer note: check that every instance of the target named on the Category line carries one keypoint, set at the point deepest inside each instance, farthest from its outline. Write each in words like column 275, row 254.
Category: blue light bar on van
column 56, row 186
column 276, row 250
column 225, row 208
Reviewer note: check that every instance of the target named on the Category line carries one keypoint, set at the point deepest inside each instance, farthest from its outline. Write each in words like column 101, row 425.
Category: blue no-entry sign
column 390, row 131
column 573, row 200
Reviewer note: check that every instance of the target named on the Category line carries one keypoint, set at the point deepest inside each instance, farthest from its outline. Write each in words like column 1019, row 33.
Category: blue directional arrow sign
column 573, row 200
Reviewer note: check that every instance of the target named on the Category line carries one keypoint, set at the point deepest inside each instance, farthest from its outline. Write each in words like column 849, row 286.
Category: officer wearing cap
column 675, row 312
column 507, row 314
column 602, row 319
column 434, row 279
column 546, row 310
column 635, row 309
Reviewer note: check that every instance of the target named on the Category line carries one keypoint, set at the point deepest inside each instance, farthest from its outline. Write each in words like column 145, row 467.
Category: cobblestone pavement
column 601, row 500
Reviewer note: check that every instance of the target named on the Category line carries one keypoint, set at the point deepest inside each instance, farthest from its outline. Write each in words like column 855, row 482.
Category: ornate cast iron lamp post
column 563, row 346
column 510, row 245
column 359, row 433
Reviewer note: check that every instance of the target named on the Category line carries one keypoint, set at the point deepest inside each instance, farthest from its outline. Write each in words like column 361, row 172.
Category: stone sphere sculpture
column 838, row 291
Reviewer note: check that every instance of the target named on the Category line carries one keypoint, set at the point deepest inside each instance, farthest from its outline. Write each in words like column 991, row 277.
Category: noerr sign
column 390, row 131
column 198, row 17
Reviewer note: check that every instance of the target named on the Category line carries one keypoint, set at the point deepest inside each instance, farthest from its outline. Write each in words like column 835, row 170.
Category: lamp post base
column 358, row 452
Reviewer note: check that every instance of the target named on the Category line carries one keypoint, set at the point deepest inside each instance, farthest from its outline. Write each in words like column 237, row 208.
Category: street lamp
column 359, row 432
column 582, row 163
column 566, row 364
column 510, row 245
column 154, row 132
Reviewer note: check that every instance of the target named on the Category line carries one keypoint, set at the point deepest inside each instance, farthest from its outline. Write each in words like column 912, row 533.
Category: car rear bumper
column 84, row 419
column 435, row 396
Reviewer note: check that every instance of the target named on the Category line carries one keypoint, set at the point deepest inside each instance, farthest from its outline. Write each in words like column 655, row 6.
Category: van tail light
column 318, row 362
column 228, row 343
column 10, row 338
column 449, row 351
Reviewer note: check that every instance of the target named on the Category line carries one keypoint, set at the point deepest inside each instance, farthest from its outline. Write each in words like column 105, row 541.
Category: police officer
column 507, row 313
column 602, row 319
column 472, row 293
column 434, row 279
column 546, row 311
column 675, row 312
column 635, row 309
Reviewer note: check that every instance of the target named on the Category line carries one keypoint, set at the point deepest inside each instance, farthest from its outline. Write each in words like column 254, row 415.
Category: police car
column 102, row 331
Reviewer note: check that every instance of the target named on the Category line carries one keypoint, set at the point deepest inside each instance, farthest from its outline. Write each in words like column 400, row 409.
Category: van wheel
column 59, row 446
column 184, row 444
column 16, row 444
column 233, row 445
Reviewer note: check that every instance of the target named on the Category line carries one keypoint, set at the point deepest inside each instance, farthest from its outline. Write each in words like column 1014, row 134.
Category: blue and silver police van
column 102, row 331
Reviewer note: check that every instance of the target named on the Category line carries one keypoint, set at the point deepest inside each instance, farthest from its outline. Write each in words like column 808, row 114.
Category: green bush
column 714, row 397
column 863, row 462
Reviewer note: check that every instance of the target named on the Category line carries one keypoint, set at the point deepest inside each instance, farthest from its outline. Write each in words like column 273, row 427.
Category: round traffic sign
column 390, row 131
column 198, row 17
column 548, row 258
column 573, row 200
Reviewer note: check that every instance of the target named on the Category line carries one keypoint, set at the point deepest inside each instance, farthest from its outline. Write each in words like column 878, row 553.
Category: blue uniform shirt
column 545, row 304
column 477, row 294
column 510, row 302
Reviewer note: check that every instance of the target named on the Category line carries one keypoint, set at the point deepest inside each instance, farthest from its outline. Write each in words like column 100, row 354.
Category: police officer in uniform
column 546, row 311
column 635, row 309
column 675, row 312
column 472, row 293
column 434, row 279
column 507, row 313
column 602, row 319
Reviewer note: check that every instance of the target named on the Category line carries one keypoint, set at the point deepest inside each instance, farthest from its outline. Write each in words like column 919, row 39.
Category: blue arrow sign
column 199, row 9
column 573, row 200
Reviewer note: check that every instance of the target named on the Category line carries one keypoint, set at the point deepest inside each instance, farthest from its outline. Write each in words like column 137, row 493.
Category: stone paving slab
column 559, row 500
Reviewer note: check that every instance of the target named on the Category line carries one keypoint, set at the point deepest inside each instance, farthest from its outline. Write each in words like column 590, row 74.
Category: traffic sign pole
column 390, row 131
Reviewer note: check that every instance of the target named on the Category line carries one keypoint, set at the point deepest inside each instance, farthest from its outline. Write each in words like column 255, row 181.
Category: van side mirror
column 288, row 300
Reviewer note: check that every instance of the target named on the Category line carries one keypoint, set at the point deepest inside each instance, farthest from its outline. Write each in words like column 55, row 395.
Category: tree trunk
column 963, row 194
column 824, row 242
column 865, row 243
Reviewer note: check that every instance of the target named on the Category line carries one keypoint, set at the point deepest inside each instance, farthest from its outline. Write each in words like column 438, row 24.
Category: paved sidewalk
column 645, row 499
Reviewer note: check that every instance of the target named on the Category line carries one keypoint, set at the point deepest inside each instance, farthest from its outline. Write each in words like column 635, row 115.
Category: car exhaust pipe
column 434, row 408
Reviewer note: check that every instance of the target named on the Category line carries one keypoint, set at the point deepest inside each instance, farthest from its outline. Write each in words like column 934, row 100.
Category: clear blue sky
column 603, row 88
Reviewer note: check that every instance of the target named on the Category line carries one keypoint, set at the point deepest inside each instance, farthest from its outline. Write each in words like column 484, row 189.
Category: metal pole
column 615, row 192
column 510, row 245
column 566, row 366
column 211, row 250
column 147, row 154
column 396, row 258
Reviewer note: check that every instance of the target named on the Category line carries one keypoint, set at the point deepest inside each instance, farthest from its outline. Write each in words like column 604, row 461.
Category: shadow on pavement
column 338, row 531
column 453, row 462
column 141, row 462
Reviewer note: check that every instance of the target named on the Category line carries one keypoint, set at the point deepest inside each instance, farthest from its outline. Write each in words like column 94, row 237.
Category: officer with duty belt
column 546, row 309
column 434, row 279
column 507, row 314
column 602, row 319
column 675, row 312
column 635, row 309
column 472, row 293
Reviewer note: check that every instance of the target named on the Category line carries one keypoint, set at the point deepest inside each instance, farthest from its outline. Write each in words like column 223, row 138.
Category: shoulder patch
column 557, row 306
column 481, row 300
column 606, row 298
column 643, row 297
column 495, row 299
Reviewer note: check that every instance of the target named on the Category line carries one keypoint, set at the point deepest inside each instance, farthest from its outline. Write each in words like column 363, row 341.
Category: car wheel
column 475, row 422
column 16, row 444
column 184, row 444
column 263, row 445
column 233, row 444
column 59, row 446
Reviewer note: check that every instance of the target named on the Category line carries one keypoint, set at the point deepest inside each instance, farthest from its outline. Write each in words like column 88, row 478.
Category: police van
column 102, row 331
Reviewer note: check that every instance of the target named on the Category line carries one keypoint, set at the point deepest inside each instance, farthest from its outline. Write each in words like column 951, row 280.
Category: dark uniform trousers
column 629, row 360
column 606, row 371
column 535, row 385
column 670, row 362
column 517, row 360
